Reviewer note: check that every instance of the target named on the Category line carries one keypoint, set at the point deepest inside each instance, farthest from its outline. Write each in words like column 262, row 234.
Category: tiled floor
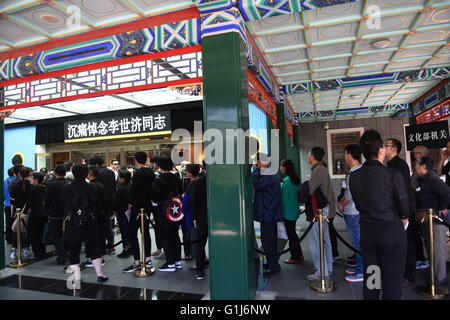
column 46, row 280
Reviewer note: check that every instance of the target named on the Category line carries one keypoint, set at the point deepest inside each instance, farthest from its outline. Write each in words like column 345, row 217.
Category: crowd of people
column 379, row 201
column 78, row 204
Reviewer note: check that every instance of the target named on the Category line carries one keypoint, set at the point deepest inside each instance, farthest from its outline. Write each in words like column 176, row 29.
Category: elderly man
column 268, row 209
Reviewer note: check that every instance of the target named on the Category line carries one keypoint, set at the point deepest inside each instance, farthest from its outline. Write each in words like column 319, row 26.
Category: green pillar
column 281, row 120
column 230, row 213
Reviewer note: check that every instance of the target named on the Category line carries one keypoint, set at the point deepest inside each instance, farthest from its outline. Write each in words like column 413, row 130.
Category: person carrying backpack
column 79, row 198
column 166, row 192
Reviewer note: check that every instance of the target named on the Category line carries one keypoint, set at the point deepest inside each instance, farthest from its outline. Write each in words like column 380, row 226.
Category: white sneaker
column 357, row 277
column 178, row 265
column 148, row 264
column 13, row 254
column 26, row 253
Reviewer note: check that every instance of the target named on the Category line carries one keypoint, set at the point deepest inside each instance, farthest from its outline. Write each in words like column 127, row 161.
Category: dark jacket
column 69, row 192
column 160, row 191
column 381, row 198
column 187, row 207
column 19, row 191
column 199, row 202
column 35, row 203
column 53, row 198
column 121, row 197
column 304, row 196
column 141, row 188
column 108, row 179
column 267, row 203
column 100, row 198
column 402, row 166
column 434, row 193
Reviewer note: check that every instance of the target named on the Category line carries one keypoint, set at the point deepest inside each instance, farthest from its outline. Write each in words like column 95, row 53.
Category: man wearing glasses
column 393, row 148
column 115, row 166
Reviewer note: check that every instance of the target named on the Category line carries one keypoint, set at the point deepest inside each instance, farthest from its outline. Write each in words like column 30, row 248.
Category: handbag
column 23, row 224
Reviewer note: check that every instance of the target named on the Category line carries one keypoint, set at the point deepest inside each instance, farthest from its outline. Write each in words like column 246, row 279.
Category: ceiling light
column 355, row 96
column 48, row 18
column 380, row 43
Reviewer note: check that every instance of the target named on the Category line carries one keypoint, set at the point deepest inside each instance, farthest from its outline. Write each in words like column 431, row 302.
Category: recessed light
column 355, row 96
column 48, row 18
column 380, row 43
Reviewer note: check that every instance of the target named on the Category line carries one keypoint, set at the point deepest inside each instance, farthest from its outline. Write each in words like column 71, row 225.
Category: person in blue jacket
column 268, row 210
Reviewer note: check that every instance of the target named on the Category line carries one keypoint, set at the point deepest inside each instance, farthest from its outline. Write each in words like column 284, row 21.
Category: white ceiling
column 100, row 104
column 22, row 22
column 335, row 42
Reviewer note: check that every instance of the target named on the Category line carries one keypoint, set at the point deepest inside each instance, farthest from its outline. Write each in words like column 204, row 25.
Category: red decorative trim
column 190, row 13
column 432, row 90
column 258, row 95
column 437, row 113
column 103, row 64
column 105, row 92
column 290, row 130
column 261, row 58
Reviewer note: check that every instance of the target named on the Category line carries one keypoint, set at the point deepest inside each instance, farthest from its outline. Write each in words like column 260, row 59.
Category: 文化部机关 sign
column 155, row 123
column 431, row 135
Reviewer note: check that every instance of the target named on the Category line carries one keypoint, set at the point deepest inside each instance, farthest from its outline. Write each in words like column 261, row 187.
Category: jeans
column 352, row 222
column 171, row 243
column 186, row 239
column 315, row 246
column 123, row 227
column 133, row 226
column 202, row 233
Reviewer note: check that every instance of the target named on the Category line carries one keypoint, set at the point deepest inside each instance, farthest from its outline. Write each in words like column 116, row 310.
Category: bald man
column 422, row 263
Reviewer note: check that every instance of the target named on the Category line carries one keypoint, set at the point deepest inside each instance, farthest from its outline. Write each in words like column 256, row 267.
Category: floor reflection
column 93, row 291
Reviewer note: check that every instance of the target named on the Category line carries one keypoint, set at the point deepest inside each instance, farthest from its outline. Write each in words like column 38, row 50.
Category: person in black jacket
column 200, row 219
column 434, row 193
column 140, row 196
column 382, row 200
column 99, row 212
column 393, row 148
column 74, row 196
column 54, row 206
column 120, row 207
column 108, row 179
column 37, row 216
column 162, row 188
column 19, row 190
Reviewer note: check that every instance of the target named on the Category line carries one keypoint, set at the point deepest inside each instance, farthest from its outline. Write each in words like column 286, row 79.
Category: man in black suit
column 54, row 205
column 382, row 200
column 108, row 179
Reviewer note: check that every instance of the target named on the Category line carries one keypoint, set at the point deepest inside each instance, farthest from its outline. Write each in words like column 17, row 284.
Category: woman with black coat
column 37, row 216
column 79, row 198
column 434, row 193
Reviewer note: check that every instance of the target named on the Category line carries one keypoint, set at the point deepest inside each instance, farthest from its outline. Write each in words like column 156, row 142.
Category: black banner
column 117, row 127
column 430, row 135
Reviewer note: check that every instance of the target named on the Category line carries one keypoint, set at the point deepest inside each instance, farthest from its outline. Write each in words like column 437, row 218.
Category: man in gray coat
column 320, row 178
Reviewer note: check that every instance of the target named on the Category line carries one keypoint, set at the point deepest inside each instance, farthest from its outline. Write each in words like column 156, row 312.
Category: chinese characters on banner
column 117, row 126
column 431, row 135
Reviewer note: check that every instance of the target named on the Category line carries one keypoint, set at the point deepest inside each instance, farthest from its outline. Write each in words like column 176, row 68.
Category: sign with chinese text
column 118, row 127
column 431, row 135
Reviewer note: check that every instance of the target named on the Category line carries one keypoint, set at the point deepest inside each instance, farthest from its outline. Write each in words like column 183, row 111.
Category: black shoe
column 124, row 254
column 269, row 273
column 88, row 264
column 102, row 279
column 167, row 268
column 199, row 274
column 131, row 268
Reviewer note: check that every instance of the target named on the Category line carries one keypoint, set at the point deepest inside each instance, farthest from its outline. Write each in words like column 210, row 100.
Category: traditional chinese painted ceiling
column 330, row 65
column 27, row 22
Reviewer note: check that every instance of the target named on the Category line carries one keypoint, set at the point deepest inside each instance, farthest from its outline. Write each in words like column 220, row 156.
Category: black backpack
column 81, row 216
column 172, row 205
